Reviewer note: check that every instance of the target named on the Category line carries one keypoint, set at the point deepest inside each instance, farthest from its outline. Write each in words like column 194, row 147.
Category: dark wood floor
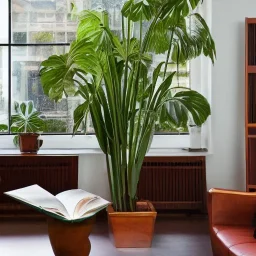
column 174, row 236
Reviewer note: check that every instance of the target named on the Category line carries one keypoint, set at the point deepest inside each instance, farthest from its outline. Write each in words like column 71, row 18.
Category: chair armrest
column 230, row 207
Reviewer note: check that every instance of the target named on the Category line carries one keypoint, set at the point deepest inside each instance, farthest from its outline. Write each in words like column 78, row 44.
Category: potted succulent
column 27, row 123
column 125, row 95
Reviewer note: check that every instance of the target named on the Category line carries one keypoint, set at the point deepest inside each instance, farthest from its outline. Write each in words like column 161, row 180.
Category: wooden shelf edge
column 251, row 69
column 251, row 20
column 251, row 186
column 253, row 125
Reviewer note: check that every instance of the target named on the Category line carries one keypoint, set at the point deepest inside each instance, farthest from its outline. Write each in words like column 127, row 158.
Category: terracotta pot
column 29, row 142
column 70, row 239
column 132, row 229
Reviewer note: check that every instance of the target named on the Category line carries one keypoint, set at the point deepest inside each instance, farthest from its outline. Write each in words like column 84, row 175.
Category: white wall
column 226, row 168
column 93, row 175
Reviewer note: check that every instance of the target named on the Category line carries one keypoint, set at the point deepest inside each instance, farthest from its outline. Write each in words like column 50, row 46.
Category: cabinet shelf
column 252, row 125
column 251, row 69
column 252, row 136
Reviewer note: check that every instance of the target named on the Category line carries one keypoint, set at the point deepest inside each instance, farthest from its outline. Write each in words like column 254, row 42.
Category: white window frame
column 201, row 70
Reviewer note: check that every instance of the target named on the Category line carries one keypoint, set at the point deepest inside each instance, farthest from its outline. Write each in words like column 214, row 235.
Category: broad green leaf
column 57, row 72
column 56, row 75
column 95, row 27
column 80, row 114
column 161, row 92
column 89, row 24
column 191, row 42
column 159, row 41
column 138, row 10
column 192, row 103
column 185, row 9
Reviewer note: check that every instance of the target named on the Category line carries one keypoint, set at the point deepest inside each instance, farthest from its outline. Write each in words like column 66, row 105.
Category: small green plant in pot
column 28, row 124
column 124, row 94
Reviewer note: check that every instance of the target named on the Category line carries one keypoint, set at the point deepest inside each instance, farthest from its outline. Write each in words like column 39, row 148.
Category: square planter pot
column 132, row 229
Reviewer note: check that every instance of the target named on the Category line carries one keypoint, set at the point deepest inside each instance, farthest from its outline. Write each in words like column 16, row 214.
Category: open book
column 72, row 205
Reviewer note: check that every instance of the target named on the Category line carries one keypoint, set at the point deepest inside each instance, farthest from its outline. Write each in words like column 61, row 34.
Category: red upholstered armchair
column 231, row 217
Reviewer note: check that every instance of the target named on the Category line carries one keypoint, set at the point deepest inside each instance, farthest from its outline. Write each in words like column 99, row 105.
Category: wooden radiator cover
column 169, row 182
column 53, row 173
column 174, row 182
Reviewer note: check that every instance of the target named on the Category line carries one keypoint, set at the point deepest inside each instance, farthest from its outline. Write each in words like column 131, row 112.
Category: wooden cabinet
column 250, row 103
column 51, row 172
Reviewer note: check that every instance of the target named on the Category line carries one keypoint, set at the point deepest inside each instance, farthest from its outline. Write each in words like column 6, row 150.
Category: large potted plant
column 125, row 95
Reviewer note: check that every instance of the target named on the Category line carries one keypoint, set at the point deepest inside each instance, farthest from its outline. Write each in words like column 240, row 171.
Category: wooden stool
column 70, row 239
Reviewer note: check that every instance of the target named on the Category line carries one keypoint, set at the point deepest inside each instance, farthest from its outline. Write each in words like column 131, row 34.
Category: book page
column 39, row 197
column 89, row 214
column 74, row 199
column 92, row 207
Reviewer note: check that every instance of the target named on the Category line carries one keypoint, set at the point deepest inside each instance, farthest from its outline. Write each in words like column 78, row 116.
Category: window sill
column 97, row 151
column 81, row 142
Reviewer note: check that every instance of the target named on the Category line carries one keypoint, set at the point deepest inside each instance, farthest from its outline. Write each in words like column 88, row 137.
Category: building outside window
column 36, row 30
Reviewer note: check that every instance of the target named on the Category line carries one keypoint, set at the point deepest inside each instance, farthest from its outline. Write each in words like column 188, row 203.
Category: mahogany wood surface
column 250, row 103
column 51, row 172
column 251, row 20
column 174, row 183
column 251, row 69
column 70, row 239
column 171, row 183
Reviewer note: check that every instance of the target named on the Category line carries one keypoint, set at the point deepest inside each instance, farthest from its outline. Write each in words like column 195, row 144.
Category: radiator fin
column 53, row 173
column 173, row 182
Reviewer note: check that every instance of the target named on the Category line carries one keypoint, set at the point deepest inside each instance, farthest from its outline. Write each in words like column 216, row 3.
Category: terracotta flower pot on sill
column 132, row 229
column 29, row 142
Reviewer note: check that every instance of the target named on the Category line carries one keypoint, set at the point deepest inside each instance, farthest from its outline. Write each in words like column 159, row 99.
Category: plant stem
column 110, row 180
column 178, row 66
column 140, row 35
column 168, row 55
column 126, row 69
column 132, row 146
column 138, row 128
column 123, row 32
column 132, row 204
column 123, row 173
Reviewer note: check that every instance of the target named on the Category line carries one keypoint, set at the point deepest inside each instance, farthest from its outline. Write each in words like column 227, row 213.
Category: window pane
column 180, row 79
column 26, row 86
column 20, row 37
column 4, row 21
column 49, row 21
column 114, row 10
column 44, row 21
column 3, row 88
